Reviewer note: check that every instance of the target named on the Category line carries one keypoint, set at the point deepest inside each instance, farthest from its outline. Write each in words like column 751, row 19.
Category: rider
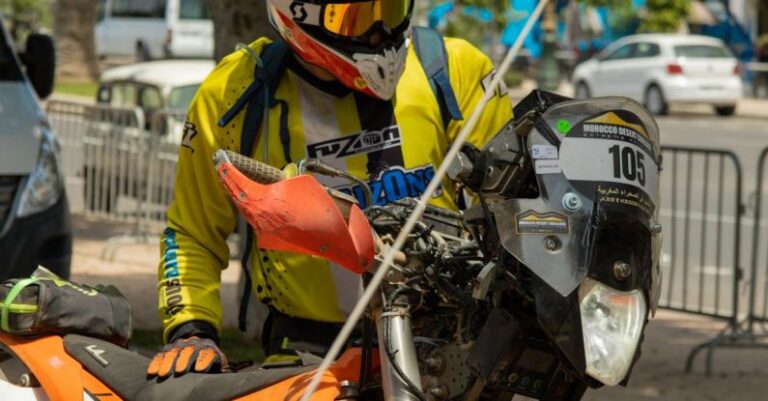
column 355, row 95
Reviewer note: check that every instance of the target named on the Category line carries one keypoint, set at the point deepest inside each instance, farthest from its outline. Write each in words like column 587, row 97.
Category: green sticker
column 564, row 127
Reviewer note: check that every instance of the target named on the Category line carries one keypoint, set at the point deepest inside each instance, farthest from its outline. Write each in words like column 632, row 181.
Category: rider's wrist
column 195, row 328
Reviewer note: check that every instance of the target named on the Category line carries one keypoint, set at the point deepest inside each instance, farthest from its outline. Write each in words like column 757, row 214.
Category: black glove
column 189, row 354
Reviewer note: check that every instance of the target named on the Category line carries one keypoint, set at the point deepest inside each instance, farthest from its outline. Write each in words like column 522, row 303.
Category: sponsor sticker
column 623, row 195
column 532, row 222
column 564, row 127
column 544, row 152
column 548, row 167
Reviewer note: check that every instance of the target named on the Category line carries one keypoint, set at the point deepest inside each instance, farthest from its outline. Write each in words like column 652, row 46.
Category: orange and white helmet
column 362, row 43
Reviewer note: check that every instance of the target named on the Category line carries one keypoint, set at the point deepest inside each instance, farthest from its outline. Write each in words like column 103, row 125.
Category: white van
column 34, row 214
column 152, row 29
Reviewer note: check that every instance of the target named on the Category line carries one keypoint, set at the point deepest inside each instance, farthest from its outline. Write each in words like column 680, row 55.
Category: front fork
column 393, row 325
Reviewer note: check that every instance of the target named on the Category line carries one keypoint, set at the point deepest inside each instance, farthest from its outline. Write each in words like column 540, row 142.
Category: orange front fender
column 298, row 215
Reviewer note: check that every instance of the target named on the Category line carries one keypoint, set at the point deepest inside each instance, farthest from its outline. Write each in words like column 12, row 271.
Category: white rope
column 377, row 279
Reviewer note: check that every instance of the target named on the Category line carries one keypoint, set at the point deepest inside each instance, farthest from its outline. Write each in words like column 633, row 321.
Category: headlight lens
column 44, row 187
column 611, row 322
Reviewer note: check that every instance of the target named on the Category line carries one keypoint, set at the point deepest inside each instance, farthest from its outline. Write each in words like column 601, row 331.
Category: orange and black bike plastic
column 75, row 367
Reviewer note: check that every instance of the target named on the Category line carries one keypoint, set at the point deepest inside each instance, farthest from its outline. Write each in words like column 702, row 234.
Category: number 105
column 628, row 163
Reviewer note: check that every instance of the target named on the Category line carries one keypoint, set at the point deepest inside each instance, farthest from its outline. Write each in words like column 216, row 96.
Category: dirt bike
column 542, row 288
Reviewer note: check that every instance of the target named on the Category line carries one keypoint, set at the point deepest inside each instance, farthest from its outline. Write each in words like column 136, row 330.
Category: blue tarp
column 521, row 10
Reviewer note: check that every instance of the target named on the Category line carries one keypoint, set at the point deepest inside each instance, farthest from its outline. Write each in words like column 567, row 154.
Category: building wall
column 753, row 14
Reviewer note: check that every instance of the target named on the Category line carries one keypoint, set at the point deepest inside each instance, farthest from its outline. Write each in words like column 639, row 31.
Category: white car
column 658, row 69
column 153, row 29
column 35, row 226
column 166, row 85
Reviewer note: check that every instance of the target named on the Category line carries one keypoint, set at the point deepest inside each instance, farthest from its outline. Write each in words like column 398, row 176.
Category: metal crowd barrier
column 119, row 165
column 751, row 332
column 700, row 212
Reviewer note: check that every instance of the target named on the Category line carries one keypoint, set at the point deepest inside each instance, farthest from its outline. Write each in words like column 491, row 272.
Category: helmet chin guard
column 382, row 72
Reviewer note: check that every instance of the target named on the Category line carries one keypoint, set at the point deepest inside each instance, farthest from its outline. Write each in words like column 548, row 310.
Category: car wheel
column 582, row 91
column 725, row 111
column 142, row 53
column 655, row 101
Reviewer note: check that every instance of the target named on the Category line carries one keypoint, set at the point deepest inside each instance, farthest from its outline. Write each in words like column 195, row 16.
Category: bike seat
column 124, row 372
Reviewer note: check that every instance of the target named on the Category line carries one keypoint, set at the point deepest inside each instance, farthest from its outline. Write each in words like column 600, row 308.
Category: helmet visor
column 353, row 19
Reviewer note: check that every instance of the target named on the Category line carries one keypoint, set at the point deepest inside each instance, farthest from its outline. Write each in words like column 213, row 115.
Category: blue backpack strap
column 430, row 48
column 257, row 99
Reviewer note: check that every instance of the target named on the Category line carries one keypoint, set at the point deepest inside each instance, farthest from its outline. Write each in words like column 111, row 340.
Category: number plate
column 610, row 161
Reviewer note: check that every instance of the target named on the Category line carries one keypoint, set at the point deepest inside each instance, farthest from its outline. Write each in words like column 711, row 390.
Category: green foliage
column 32, row 12
column 468, row 28
column 25, row 16
column 83, row 89
column 498, row 7
column 622, row 13
column 762, row 40
column 664, row 15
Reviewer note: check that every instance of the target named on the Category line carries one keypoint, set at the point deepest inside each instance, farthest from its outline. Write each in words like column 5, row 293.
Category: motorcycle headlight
column 44, row 186
column 612, row 323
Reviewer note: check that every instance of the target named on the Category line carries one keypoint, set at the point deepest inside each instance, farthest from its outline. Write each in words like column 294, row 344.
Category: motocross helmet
column 362, row 43
column 590, row 235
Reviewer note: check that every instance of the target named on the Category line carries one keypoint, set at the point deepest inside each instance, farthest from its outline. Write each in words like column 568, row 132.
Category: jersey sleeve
column 193, row 247
column 471, row 73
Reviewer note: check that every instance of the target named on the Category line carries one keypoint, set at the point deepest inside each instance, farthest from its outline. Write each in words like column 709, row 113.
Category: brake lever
column 317, row 166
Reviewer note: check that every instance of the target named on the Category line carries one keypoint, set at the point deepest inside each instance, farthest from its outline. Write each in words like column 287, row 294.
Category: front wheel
column 655, row 101
column 725, row 111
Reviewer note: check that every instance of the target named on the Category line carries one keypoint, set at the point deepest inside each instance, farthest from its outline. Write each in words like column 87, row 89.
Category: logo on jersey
column 190, row 132
column 395, row 184
column 171, row 284
column 365, row 142
column 501, row 90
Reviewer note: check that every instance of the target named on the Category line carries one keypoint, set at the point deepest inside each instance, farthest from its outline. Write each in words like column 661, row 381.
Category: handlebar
column 253, row 169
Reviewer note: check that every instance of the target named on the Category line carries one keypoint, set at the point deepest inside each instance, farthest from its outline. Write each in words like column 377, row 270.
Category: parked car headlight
column 612, row 323
column 44, row 186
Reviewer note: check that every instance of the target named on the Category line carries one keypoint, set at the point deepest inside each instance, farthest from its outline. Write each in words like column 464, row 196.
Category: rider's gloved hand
column 188, row 354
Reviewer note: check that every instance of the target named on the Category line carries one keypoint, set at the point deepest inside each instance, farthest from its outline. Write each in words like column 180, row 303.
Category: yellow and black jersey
column 394, row 145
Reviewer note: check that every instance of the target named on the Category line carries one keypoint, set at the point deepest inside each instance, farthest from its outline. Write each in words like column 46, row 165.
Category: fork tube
column 400, row 337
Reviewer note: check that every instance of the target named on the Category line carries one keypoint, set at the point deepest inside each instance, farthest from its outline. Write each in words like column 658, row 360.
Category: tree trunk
column 238, row 21
column 75, row 50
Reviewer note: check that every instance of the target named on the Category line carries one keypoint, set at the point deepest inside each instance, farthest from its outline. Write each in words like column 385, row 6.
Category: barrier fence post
column 690, row 177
